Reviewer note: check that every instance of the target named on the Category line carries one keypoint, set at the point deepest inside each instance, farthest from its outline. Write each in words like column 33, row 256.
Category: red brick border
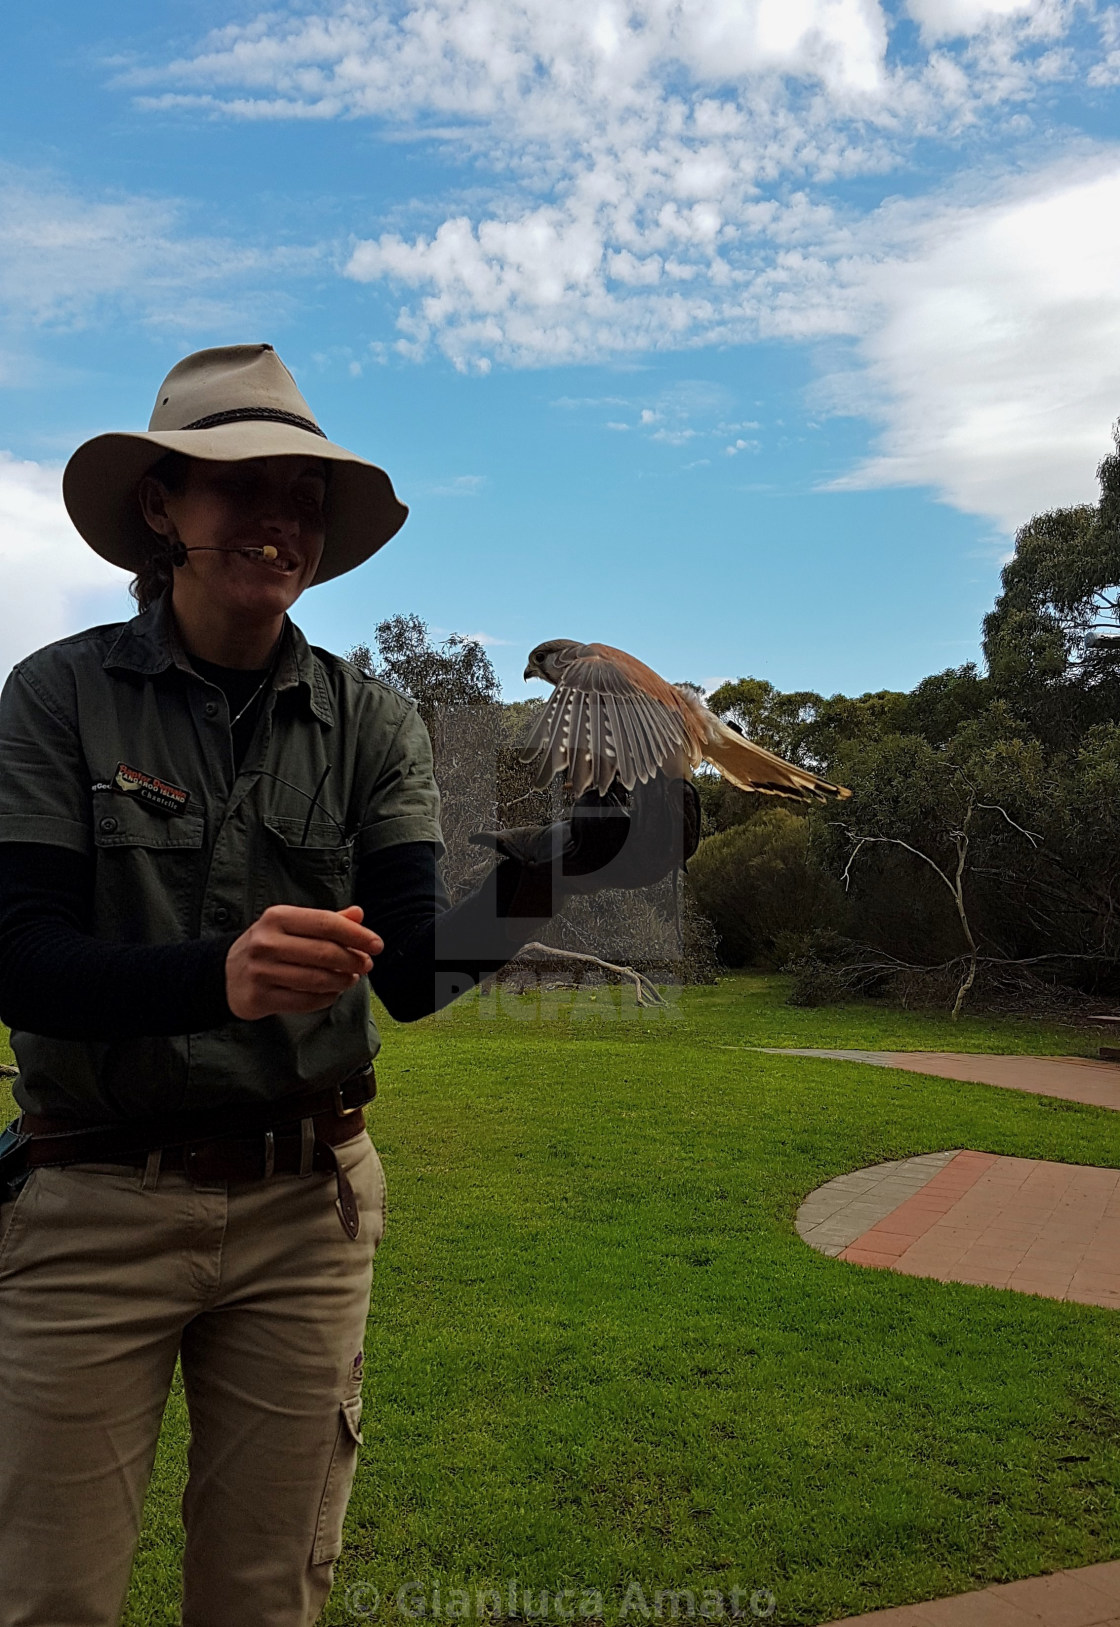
column 885, row 1243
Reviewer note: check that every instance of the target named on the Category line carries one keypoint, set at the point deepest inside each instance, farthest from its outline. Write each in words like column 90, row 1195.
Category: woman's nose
column 281, row 520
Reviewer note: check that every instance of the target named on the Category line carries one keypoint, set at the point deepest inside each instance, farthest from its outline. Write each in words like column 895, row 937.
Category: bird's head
column 549, row 660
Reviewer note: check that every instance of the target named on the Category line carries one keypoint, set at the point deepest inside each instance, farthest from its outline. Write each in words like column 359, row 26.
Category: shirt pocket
column 305, row 866
column 120, row 822
column 147, row 869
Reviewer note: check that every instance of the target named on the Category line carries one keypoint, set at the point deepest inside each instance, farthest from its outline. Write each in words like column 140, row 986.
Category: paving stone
column 876, row 1257
column 1061, row 1600
column 1105, row 1579
column 1072, row 1598
column 990, row 1221
column 1070, row 1078
column 965, row 1215
column 984, row 1608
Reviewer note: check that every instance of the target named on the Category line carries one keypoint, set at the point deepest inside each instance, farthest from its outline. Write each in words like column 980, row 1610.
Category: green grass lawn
column 599, row 1353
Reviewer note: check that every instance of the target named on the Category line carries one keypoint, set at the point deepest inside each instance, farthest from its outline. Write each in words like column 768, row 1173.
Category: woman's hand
column 294, row 959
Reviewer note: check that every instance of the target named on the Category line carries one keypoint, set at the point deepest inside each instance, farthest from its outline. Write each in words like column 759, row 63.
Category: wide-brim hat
column 233, row 402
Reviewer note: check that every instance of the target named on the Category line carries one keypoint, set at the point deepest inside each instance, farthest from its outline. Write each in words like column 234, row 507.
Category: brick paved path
column 1088, row 1597
column 963, row 1216
column 1051, row 1229
column 1073, row 1078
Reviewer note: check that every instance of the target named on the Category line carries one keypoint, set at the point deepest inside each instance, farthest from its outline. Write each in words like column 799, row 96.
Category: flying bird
column 610, row 718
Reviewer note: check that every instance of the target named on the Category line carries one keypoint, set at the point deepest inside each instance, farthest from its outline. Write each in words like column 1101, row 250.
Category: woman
column 199, row 815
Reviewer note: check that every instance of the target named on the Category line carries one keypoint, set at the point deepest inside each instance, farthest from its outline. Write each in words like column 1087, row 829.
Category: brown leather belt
column 294, row 1135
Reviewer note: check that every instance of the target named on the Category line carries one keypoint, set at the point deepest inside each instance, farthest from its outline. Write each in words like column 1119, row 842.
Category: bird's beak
column 530, row 672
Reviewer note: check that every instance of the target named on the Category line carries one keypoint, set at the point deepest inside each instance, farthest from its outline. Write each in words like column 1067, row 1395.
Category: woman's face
column 221, row 508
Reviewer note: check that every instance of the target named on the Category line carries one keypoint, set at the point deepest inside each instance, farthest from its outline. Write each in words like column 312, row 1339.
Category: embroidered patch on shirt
column 147, row 788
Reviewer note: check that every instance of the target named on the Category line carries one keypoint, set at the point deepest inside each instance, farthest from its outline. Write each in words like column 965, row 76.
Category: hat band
column 268, row 415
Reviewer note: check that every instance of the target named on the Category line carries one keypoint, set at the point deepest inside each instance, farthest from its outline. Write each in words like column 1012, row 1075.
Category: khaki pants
column 104, row 1281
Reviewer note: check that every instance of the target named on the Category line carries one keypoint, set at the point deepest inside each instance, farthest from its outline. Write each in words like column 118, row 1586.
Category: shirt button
column 211, row 708
column 107, row 826
column 221, row 915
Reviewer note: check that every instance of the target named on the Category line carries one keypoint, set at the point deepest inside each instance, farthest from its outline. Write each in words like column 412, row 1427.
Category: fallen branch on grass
column 644, row 990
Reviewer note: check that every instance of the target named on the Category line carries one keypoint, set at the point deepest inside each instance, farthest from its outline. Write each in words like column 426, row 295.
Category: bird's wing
column 610, row 717
column 753, row 768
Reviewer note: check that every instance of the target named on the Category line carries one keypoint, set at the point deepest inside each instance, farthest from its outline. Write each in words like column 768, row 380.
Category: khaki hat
column 233, row 402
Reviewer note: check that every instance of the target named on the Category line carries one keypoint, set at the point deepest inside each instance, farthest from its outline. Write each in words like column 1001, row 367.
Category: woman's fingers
column 327, row 939
column 296, row 959
column 314, row 956
column 305, row 979
column 283, row 1002
column 341, row 927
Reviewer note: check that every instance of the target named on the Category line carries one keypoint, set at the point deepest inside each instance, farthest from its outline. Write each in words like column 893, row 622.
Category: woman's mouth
column 271, row 558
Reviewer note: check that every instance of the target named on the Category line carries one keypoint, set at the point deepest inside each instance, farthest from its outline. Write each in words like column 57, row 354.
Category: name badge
column 146, row 788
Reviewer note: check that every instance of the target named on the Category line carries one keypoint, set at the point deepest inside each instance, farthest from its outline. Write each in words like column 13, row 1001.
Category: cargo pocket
column 340, row 1480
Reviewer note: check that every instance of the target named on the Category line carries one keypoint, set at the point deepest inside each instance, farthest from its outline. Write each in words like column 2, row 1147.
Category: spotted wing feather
column 609, row 717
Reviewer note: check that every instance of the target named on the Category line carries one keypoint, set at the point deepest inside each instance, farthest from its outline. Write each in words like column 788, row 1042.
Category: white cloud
column 68, row 259
column 461, row 486
column 484, row 58
column 1107, row 70
column 946, row 19
column 46, row 570
column 658, row 174
column 660, row 163
column 488, row 640
column 993, row 350
column 572, row 403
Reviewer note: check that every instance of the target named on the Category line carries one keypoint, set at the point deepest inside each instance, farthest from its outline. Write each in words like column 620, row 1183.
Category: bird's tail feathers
column 753, row 768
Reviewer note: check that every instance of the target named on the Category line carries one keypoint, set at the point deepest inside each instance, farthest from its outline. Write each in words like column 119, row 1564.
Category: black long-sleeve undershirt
column 57, row 979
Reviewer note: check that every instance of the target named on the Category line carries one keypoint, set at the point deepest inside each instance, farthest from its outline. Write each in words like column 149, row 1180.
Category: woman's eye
column 239, row 488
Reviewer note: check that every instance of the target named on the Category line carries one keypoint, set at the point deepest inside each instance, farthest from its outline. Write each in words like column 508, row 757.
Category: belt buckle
column 363, row 1074
column 202, row 1163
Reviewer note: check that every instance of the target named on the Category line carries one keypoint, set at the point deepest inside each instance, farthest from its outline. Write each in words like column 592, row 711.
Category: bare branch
column 960, row 840
column 896, row 841
column 846, row 877
column 513, row 801
column 645, row 991
column 1032, row 836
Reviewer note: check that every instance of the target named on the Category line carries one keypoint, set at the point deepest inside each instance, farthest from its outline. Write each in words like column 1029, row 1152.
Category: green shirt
column 112, row 745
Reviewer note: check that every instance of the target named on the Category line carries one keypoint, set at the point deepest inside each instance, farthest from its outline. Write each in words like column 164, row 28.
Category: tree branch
column 1032, row 836
column 893, row 841
column 645, row 991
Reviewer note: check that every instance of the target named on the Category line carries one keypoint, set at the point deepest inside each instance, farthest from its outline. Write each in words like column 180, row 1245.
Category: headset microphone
column 178, row 552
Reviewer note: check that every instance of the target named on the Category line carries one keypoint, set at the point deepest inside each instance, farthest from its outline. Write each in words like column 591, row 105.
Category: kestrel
column 611, row 717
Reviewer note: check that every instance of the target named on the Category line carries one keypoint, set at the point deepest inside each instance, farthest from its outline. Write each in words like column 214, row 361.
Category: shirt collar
column 150, row 643
column 300, row 666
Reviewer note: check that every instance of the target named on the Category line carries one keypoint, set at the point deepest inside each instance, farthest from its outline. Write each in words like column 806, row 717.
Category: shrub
column 760, row 880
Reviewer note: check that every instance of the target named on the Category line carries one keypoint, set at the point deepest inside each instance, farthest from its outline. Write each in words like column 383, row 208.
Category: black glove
column 623, row 839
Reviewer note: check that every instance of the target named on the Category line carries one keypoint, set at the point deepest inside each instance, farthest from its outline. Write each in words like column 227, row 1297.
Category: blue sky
column 741, row 334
